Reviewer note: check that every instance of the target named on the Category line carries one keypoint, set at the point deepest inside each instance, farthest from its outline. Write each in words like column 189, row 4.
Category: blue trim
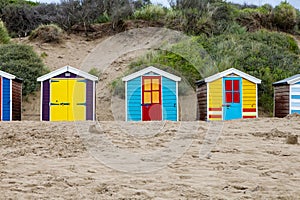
column 6, row 99
column 234, row 110
column 295, row 111
column 169, row 99
column 295, row 96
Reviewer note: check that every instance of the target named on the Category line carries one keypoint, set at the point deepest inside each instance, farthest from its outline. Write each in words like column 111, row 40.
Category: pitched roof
column 7, row 75
column 231, row 71
column 148, row 70
column 289, row 80
column 67, row 69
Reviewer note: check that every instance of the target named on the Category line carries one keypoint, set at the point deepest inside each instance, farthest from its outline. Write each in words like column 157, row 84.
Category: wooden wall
column 202, row 102
column 16, row 100
column 281, row 100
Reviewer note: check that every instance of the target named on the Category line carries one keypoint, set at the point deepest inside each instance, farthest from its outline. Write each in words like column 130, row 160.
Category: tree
column 285, row 16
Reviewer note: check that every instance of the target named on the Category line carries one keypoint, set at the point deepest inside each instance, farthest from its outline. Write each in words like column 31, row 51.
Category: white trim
column 293, row 81
column 94, row 100
column 295, row 108
column 290, row 99
column 10, row 100
column 296, row 86
column 7, row 75
column 295, row 100
column 294, row 93
column 215, row 112
column 151, row 69
column 207, row 101
column 177, row 102
column 126, row 112
column 257, row 100
column 232, row 71
column 41, row 103
column 68, row 69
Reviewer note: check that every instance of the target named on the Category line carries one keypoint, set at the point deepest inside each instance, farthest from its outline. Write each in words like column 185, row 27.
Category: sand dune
column 251, row 160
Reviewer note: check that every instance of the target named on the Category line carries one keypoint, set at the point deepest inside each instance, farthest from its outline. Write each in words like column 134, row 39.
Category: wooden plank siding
column 202, row 102
column 215, row 100
column 249, row 99
column 16, row 100
column 281, row 100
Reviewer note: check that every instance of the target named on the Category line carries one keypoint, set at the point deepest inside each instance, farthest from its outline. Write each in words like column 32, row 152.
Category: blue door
column 232, row 103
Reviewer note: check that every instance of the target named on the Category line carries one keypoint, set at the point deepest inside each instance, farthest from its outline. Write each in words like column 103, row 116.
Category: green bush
column 24, row 63
column 47, row 33
column 150, row 12
column 285, row 16
column 4, row 37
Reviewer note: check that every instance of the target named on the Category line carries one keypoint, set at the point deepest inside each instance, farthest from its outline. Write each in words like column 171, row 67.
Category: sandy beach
column 250, row 160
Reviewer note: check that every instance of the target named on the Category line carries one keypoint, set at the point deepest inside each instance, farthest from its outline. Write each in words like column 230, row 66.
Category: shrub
column 23, row 62
column 150, row 12
column 4, row 37
column 47, row 33
column 285, row 16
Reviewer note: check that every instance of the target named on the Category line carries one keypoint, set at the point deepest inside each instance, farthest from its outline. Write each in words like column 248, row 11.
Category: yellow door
column 59, row 103
column 77, row 94
column 67, row 99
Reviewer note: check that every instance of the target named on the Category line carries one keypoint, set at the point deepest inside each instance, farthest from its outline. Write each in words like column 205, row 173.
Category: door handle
column 226, row 105
column 146, row 104
column 81, row 104
column 65, row 103
column 54, row 104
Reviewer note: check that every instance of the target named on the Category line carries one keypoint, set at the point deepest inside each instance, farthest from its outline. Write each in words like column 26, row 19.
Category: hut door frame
column 151, row 98
column 232, row 98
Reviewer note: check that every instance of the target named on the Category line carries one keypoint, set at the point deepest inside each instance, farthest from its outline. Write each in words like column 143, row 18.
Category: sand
column 250, row 160
column 112, row 159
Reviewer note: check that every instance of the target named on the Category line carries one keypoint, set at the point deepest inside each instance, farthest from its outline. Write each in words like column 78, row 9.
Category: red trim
column 249, row 109
column 248, row 117
column 215, row 109
column 215, row 116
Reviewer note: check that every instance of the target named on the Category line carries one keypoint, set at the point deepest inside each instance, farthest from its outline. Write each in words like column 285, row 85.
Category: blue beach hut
column 151, row 94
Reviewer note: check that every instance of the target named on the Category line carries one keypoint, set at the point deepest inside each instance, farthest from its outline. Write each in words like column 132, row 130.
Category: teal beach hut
column 151, row 94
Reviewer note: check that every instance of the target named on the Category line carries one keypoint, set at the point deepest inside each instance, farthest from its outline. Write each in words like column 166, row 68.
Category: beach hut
column 10, row 97
column 287, row 96
column 67, row 94
column 231, row 94
column 151, row 94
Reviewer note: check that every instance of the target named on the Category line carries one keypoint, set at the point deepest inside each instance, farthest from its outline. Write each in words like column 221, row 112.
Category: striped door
column 295, row 98
column 151, row 98
column 0, row 98
column 67, row 101
column 232, row 104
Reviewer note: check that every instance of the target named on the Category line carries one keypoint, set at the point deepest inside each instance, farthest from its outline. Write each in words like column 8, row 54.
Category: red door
column 151, row 98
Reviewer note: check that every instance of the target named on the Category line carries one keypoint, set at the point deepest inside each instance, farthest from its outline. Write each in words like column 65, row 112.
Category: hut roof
column 151, row 69
column 10, row 76
column 289, row 80
column 228, row 72
column 68, row 69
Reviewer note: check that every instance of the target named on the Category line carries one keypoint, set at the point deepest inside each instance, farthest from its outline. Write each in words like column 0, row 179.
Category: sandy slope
column 41, row 160
column 111, row 57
